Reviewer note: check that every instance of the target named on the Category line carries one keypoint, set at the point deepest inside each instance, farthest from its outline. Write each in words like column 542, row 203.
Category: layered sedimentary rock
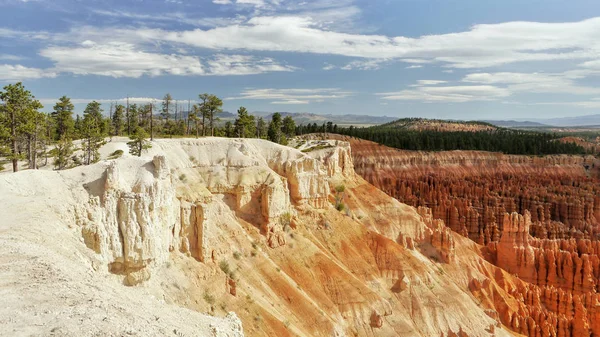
column 559, row 287
column 471, row 191
column 537, row 217
column 219, row 225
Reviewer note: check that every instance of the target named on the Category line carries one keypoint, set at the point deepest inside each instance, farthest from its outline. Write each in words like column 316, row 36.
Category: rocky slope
column 217, row 226
column 537, row 216
column 471, row 191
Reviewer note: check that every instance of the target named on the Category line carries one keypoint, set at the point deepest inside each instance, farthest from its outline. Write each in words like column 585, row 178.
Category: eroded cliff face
column 538, row 219
column 219, row 225
column 472, row 191
column 559, row 287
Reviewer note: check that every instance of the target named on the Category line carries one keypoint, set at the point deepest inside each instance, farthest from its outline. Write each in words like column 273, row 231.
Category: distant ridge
column 588, row 120
column 515, row 124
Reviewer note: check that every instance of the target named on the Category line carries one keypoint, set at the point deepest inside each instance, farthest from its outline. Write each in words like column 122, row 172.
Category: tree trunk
column 89, row 151
column 151, row 124
column 34, row 154
column 203, row 128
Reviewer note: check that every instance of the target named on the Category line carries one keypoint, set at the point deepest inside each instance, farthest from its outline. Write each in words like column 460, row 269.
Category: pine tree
column 139, row 142
column 244, row 124
column 202, row 109
column 261, row 128
column 92, row 132
column 213, row 107
column 63, row 118
column 18, row 108
column 117, row 120
column 62, row 153
column 289, row 126
column 229, row 130
column 133, row 118
column 274, row 133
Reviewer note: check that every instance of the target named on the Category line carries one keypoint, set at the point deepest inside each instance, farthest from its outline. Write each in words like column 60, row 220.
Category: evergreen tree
column 203, row 111
column 244, row 124
column 289, row 126
column 19, row 110
column 261, row 128
column 274, row 132
column 139, row 142
column 63, row 118
column 62, row 153
column 132, row 116
column 213, row 107
column 93, row 132
column 229, row 130
column 194, row 117
column 117, row 120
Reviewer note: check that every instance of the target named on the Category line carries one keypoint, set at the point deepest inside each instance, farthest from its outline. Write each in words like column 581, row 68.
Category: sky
column 459, row 59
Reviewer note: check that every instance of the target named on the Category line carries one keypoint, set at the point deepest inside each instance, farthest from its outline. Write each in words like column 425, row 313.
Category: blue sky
column 464, row 59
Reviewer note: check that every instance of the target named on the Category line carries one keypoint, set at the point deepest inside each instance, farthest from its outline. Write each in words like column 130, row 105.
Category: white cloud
column 132, row 100
column 9, row 57
column 364, row 65
column 125, row 60
column 481, row 46
column 328, row 66
column 18, row 72
column 177, row 17
column 119, row 60
column 429, row 82
column 456, row 94
column 292, row 101
column 292, row 96
column 580, row 104
column 414, row 67
column 536, row 82
column 222, row 65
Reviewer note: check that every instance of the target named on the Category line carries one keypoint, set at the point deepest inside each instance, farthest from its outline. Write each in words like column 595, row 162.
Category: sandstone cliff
column 471, row 191
column 219, row 225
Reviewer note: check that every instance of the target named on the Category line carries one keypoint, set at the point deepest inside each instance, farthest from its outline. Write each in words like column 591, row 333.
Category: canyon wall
column 471, row 191
column 218, row 226
column 537, row 217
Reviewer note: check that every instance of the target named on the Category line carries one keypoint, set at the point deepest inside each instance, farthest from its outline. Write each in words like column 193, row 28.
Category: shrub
column 182, row 177
column 116, row 154
column 224, row 265
column 209, row 298
column 237, row 255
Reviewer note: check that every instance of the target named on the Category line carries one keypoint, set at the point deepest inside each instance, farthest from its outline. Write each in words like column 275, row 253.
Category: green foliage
column 117, row 120
column 261, row 128
column 244, row 124
column 116, row 154
column 93, row 131
column 20, row 118
column 289, row 126
column 182, row 177
column 498, row 140
column 274, row 132
column 318, row 147
column 224, row 265
column 63, row 118
column 62, row 153
column 229, row 131
column 210, row 299
column 139, row 142
column 339, row 196
column 210, row 107
column 237, row 255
